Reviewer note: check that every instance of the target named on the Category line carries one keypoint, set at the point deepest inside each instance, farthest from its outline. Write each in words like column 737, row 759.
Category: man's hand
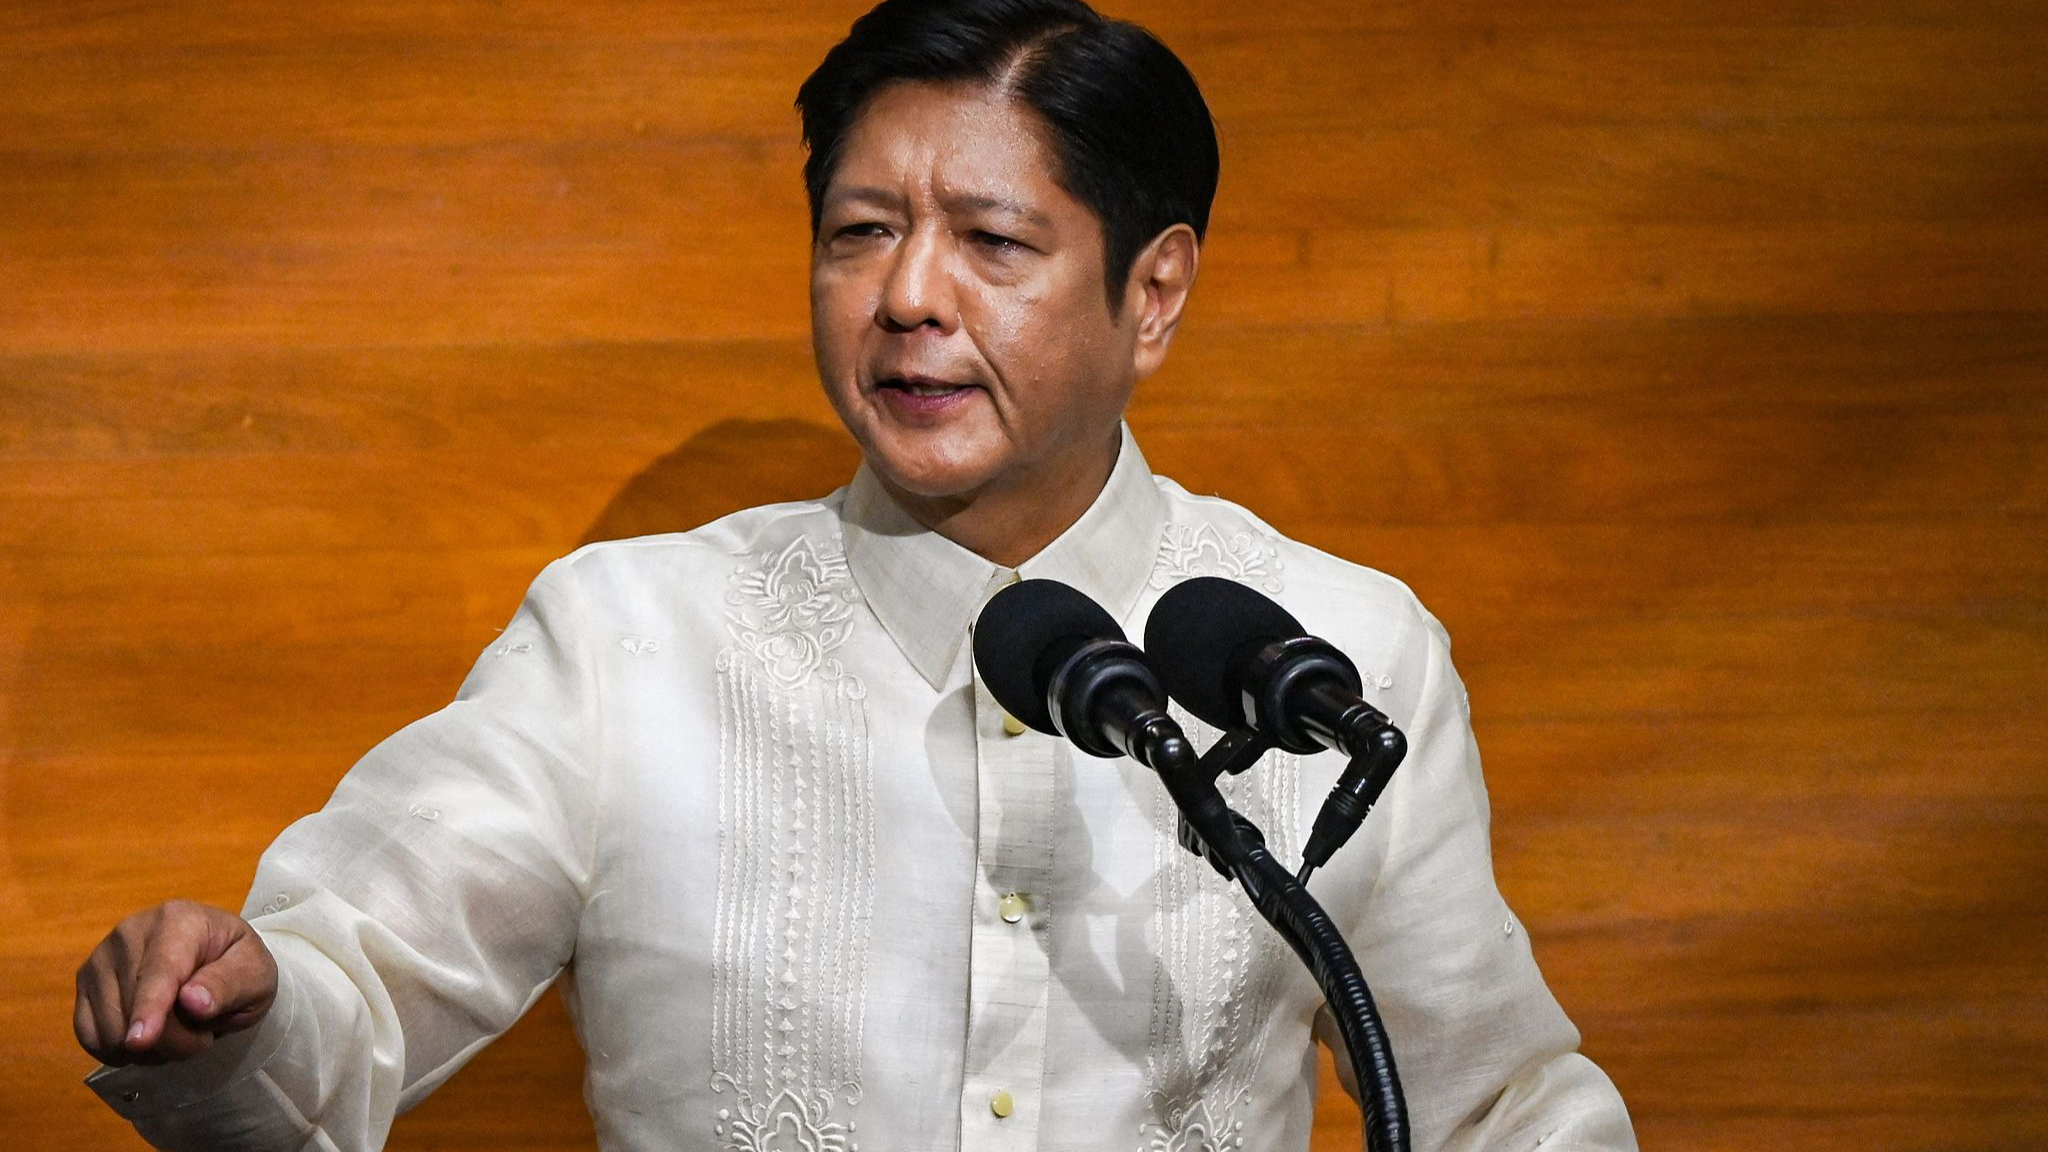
column 169, row 979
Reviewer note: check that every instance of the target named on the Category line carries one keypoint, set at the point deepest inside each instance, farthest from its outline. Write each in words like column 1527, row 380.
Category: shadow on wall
column 731, row 465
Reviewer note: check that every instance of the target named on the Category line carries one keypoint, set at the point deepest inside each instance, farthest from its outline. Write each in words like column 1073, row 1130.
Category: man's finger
column 173, row 951
column 102, row 994
column 156, row 989
column 83, row 1025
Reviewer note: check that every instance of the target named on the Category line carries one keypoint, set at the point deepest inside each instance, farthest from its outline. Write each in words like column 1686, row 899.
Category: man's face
column 958, row 311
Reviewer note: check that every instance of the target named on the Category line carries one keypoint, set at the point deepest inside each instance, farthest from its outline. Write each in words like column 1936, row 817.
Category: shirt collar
column 927, row 590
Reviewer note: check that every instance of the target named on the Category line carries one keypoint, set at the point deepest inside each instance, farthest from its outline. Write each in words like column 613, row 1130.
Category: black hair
column 1130, row 132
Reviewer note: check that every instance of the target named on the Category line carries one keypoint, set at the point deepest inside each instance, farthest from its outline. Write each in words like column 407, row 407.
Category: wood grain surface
column 1688, row 357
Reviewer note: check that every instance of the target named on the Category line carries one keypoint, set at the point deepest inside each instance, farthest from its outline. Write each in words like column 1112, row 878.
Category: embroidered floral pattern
column 787, row 1123
column 1217, row 967
column 791, row 609
column 1187, row 550
column 796, row 873
column 1194, row 1131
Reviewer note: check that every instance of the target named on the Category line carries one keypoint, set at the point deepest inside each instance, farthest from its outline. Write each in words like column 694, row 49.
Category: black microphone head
column 1200, row 637
column 1025, row 632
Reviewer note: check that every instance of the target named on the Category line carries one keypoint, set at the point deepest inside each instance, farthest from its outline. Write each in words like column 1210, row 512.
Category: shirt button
column 1012, row 726
column 1002, row 1105
column 1013, row 907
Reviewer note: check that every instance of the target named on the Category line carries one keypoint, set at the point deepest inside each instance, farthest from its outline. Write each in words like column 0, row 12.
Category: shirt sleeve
column 413, row 918
column 1487, row 1058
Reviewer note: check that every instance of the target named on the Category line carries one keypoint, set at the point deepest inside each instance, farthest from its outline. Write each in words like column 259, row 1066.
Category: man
column 740, row 789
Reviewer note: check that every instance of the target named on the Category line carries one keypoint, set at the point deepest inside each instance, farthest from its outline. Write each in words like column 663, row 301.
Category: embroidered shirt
column 741, row 791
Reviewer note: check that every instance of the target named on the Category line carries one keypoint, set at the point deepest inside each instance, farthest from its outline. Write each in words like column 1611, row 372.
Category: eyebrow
column 865, row 195
column 996, row 204
column 963, row 202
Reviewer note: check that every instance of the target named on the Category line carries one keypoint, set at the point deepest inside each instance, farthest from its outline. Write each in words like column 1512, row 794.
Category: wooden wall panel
column 1687, row 357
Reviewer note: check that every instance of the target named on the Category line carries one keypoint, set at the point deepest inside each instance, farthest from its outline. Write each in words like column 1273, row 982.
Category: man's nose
column 919, row 291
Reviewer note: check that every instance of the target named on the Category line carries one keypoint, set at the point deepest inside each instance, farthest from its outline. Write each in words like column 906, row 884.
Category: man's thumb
column 232, row 991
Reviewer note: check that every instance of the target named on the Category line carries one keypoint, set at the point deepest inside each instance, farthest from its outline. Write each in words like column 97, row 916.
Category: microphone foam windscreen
column 1199, row 637
column 1018, row 627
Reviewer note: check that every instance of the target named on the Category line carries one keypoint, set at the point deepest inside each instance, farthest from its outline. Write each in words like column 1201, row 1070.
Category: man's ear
column 1157, row 291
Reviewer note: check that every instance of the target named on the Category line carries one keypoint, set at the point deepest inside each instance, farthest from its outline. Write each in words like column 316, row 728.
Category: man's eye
column 858, row 231
column 996, row 241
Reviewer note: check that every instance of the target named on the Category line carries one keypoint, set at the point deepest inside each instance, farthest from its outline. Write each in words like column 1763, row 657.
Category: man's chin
column 931, row 483
column 931, row 464
column 934, row 478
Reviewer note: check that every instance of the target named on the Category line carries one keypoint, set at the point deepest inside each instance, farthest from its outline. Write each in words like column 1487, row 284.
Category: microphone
column 1238, row 660
column 1058, row 662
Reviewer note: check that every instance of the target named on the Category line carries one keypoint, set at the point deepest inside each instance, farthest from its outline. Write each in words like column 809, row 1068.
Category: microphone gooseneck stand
column 1236, row 848
column 1057, row 661
column 1286, row 904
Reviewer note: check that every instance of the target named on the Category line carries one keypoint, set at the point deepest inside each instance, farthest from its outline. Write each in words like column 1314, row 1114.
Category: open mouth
column 921, row 386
